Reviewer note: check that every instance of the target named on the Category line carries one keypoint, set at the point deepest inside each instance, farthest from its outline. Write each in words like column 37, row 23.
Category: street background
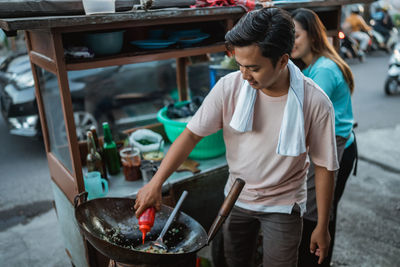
column 368, row 229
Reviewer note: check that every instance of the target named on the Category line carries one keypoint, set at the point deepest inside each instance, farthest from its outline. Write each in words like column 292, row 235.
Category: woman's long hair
column 320, row 46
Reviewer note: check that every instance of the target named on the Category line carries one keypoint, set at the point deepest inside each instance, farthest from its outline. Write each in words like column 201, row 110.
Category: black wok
column 110, row 225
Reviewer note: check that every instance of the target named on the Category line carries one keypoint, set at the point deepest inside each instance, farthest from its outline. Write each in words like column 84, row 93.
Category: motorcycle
column 349, row 47
column 392, row 83
column 379, row 42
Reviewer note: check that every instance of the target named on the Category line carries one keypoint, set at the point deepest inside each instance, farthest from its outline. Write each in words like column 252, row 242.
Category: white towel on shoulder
column 291, row 140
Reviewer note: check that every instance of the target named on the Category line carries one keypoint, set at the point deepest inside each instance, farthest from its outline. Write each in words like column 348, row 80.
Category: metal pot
column 110, row 225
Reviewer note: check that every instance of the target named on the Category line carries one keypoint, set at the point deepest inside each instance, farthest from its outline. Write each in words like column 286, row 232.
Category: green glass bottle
column 110, row 151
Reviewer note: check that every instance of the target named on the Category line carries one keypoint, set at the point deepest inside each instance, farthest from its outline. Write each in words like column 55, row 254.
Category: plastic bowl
column 209, row 147
column 105, row 43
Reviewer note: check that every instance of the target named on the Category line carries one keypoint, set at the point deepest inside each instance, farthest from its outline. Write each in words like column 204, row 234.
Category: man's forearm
column 176, row 155
column 324, row 186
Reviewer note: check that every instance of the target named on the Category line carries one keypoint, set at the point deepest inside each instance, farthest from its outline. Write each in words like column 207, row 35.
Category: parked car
column 125, row 96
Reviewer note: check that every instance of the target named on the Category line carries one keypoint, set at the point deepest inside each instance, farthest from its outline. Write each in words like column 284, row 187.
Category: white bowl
column 98, row 6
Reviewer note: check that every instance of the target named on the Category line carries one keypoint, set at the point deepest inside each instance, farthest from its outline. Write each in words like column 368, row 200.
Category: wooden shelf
column 139, row 57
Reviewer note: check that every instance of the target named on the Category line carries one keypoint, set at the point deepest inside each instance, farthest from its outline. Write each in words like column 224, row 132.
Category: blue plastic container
column 216, row 72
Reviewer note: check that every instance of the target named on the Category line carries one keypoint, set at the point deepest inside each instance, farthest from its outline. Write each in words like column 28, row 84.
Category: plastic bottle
column 146, row 221
column 93, row 158
column 110, row 151
column 99, row 149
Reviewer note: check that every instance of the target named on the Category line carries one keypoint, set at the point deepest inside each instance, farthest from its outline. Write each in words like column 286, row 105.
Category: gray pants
column 281, row 237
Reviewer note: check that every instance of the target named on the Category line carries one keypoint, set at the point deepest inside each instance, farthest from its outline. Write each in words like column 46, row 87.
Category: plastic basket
column 209, row 147
column 216, row 72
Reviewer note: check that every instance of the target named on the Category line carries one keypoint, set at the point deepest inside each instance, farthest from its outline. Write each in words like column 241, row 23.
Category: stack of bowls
column 105, row 43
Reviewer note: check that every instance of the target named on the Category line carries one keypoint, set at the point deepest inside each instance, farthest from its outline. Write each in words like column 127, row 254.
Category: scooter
column 378, row 39
column 349, row 47
column 377, row 42
column 393, row 39
column 392, row 84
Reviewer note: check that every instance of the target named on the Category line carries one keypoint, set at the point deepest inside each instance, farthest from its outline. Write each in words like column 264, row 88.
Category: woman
column 320, row 62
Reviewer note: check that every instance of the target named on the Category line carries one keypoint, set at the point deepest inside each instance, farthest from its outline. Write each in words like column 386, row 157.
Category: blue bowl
column 153, row 43
column 105, row 43
column 193, row 39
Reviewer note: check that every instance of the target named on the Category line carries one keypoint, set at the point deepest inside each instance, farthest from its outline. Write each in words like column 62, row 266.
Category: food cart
column 46, row 40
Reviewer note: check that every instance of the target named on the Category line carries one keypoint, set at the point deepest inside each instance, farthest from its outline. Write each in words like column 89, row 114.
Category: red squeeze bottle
column 146, row 221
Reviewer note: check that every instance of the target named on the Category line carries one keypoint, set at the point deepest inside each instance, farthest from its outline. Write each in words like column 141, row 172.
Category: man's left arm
column 322, row 149
column 324, row 186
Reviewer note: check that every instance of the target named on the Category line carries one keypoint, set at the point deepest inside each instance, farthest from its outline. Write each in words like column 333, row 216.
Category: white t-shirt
column 274, row 183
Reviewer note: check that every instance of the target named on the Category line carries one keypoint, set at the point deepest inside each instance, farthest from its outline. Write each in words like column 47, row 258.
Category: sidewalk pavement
column 39, row 242
column 381, row 147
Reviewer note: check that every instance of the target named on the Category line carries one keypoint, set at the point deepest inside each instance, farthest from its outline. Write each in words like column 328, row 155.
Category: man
column 271, row 116
column 383, row 22
column 359, row 28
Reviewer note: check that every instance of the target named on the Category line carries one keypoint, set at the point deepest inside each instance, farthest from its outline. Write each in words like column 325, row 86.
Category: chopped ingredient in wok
column 120, row 236
column 173, row 231
column 155, row 249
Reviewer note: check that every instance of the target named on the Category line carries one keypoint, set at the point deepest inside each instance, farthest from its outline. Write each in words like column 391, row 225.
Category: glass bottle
column 110, row 151
column 99, row 149
column 93, row 158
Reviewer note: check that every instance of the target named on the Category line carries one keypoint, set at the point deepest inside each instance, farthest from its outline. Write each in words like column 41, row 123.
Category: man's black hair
column 272, row 29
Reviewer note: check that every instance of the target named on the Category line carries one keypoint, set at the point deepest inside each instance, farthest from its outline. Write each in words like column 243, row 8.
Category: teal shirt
column 329, row 77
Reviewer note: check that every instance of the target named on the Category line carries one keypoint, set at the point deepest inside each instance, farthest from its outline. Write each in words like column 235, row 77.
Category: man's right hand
column 148, row 196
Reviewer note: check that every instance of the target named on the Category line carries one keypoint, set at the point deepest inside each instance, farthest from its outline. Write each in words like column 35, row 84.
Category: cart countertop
column 48, row 22
column 120, row 187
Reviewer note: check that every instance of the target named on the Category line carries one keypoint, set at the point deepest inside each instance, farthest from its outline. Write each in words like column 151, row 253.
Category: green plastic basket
column 209, row 147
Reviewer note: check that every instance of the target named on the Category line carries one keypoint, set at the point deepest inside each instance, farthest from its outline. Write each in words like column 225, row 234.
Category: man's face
column 255, row 68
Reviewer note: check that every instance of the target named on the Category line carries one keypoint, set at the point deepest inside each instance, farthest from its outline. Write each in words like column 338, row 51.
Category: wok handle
column 226, row 208
column 83, row 194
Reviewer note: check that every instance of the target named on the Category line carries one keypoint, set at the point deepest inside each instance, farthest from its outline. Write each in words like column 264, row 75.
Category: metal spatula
column 159, row 241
